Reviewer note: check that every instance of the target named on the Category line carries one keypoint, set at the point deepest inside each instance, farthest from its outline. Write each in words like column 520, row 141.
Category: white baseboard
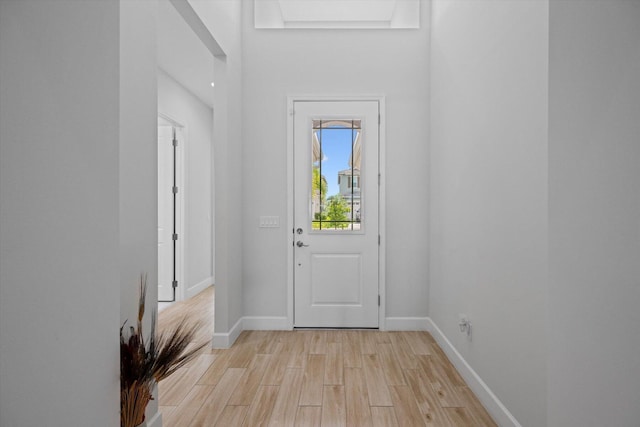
column 226, row 340
column 267, row 323
column 198, row 287
column 490, row 401
column 406, row 323
column 249, row 323
column 155, row 421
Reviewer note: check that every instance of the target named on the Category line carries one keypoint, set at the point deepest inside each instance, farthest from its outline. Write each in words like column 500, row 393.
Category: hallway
column 315, row 377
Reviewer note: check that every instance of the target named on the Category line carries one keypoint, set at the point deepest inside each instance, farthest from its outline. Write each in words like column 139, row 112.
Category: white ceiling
column 337, row 14
column 340, row 10
column 182, row 55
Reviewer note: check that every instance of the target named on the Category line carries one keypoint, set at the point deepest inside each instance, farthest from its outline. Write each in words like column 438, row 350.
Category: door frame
column 291, row 100
column 180, row 205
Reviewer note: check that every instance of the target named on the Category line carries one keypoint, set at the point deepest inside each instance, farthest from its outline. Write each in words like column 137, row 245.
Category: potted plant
column 144, row 363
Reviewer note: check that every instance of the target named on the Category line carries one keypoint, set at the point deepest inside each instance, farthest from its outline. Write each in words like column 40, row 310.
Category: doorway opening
column 337, row 253
column 170, row 208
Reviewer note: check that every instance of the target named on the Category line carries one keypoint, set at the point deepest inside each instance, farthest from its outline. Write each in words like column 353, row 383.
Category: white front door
column 336, row 197
column 166, row 212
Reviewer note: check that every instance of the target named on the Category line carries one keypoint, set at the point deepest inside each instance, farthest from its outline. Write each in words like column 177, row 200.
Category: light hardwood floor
column 315, row 378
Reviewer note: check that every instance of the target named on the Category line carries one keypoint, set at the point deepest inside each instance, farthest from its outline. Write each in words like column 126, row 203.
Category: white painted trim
column 155, row 421
column 180, row 205
column 489, row 400
column 172, row 120
column 250, row 323
column 212, row 176
column 226, row 340
column 199, row 287
column 407, row 323
column 181, row 209
column 267, row 323
column 290, row 199
column 381, row 197
column 382, row 210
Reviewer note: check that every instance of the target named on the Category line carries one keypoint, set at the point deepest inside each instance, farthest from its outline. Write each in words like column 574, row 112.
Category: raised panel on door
column 336, row 279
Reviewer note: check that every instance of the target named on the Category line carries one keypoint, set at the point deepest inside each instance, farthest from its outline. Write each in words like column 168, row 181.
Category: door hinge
column 174, row 283
column 379, row 179
column 175, row 142
column 378, row 300
column 379, row 239
column 175, row 236
column 175, row 190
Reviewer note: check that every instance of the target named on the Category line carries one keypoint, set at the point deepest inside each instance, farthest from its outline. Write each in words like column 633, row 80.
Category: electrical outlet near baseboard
column 464, row 324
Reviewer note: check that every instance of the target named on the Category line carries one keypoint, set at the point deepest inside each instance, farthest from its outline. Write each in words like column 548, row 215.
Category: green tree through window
column 319, row 186
column 337, row 209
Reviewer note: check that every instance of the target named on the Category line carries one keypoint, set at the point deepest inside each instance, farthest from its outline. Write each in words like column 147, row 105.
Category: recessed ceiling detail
column 337, row 14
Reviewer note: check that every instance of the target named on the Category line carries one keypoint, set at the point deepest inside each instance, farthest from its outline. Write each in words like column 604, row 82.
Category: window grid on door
column 336, row 203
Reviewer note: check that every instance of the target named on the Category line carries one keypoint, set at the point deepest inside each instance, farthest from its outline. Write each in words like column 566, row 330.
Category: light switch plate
column 269, row 221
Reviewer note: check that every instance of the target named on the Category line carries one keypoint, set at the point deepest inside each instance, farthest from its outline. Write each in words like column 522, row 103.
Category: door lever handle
column 300, row 244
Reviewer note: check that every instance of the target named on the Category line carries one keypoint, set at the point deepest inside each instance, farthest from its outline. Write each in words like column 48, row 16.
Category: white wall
column 138, row 175
column 59, row 231
column 489, row 192
column 181, row 105
column 223, row 19
column 138, row 152
column 181, row 52
column 594, row 211
column 278, row 63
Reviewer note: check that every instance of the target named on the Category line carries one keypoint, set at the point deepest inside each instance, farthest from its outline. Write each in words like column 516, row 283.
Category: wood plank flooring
column 315, row 378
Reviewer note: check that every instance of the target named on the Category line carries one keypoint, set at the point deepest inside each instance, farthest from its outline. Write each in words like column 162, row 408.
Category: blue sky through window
column 336, row 147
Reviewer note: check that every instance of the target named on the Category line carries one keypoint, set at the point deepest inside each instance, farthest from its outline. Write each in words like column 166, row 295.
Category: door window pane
column 335, row 181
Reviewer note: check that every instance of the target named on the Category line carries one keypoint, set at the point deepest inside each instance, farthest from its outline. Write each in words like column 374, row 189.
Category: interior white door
column 336, row 196
column 165, row 213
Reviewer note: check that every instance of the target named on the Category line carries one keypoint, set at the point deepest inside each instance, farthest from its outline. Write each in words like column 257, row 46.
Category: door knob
column 300, row 244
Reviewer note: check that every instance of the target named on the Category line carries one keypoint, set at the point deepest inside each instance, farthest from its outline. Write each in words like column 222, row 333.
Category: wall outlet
column 464, row 324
